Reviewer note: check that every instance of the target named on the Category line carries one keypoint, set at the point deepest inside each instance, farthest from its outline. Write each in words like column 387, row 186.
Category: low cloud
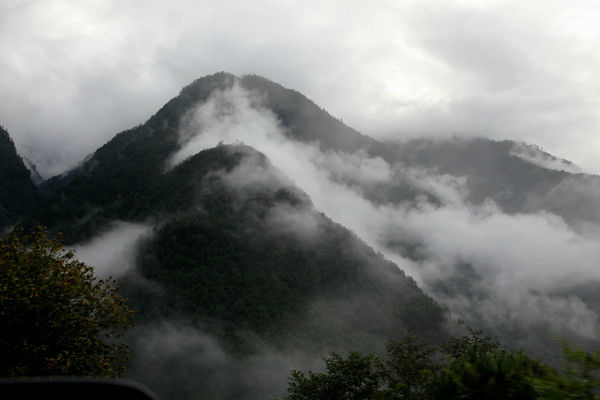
column 288, row 219
column 112, row 253
column 521, row 263
column 176, row 359
column 537, row 156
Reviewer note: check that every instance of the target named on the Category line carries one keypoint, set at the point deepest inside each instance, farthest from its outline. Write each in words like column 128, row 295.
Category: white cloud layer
column 74, row 73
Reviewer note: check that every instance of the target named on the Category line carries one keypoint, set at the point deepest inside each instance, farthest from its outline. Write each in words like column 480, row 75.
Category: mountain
column 267, row 219
column 123, row 169
column 237, row 252
column 520, row 178
column 18, row 193
column 219, row 225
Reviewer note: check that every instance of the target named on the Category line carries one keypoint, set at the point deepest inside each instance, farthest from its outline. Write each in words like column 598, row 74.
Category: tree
column 56, row 317
column 580, row 378
column 466, row 367
column 355, row 377
column 411, row 368
column 491, row 374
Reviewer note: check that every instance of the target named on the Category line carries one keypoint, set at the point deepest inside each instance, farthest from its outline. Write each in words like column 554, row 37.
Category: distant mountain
column 110, row 182
column 518, row 177
column 307, row 122
column 18, row 193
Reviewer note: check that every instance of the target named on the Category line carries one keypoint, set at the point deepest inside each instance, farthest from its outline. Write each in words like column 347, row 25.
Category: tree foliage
column 467, row 367
column 355, row 377
column 579, row 380
column 56, row 317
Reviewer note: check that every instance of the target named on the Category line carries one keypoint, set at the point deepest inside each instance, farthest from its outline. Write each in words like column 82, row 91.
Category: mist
column 113, row 252
column 536, row 156
column 516, row 269
column 184, row 361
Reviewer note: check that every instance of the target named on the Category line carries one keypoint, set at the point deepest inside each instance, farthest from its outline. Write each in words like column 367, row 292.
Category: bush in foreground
column 468, row 367
column 56, row 317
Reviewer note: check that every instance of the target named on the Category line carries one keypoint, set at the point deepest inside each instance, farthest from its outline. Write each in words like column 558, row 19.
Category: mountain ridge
column 18, row 192
column 149, row 144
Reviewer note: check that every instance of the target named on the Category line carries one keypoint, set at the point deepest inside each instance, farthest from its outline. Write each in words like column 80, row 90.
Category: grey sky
column 74, row 73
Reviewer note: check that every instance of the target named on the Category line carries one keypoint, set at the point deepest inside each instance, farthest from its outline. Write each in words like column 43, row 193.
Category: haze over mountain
column 254, row 232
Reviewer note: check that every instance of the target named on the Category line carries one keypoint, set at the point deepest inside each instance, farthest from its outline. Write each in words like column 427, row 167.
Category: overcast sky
column 74, row 73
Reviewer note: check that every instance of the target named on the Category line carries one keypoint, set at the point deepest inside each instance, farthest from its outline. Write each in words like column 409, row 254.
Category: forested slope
column 18, row 193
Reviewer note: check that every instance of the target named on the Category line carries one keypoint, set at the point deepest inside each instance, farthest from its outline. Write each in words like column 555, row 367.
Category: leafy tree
column 355, row 377
column 579, row 380
column 410, row 368
column 491, row 374
column 467, row 367
column 56, row 317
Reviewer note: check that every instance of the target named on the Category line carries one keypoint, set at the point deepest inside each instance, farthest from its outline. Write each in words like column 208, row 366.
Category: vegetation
column 18, row 194
column 56, row 317
column 580, row 378
column 468, row 367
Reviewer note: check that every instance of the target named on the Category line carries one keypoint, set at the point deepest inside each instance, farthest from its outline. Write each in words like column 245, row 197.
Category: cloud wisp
column 536, row 156
column 112, row 253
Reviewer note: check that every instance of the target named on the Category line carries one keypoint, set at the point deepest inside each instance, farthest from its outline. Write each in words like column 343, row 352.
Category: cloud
column 112, row 253
column 520, row 261
column 536, row 156
column 299, row 221
column 73, row 74
column 176, row 359
column 522, row 264
column 357, row 167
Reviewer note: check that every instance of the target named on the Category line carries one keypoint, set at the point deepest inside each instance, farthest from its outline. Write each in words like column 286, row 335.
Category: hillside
column 18, row 193
column 277, row 254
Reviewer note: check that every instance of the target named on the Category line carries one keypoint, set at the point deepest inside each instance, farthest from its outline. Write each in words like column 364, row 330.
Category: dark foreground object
column 73, row 388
